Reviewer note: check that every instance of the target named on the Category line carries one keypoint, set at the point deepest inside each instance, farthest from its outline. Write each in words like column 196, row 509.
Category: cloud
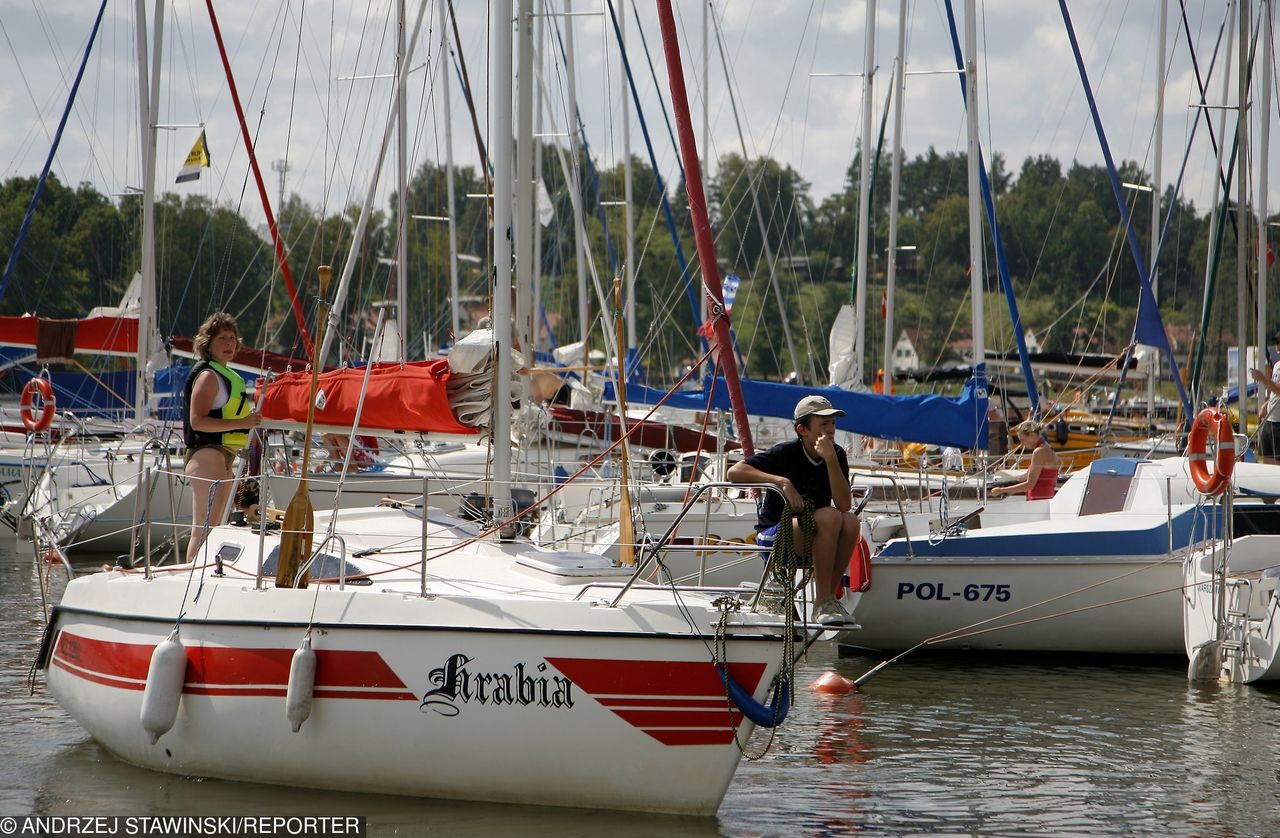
column 288, row 59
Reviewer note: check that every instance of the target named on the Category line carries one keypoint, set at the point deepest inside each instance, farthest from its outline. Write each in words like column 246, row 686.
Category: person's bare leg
column 206, row 466
column 825, row 556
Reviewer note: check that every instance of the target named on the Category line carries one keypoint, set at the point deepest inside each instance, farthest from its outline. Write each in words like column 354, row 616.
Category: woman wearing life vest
column 216, row 422
column 1041, row 481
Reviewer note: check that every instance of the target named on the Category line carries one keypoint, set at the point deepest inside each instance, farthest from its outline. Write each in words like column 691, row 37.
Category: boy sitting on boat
column 809, row 469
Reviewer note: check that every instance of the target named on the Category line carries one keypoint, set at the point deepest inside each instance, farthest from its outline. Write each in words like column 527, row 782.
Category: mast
column 702, row 225
column 891, row 272
column 1264, row 142
column 864, row 195
column 455, row 325
column 149, row 105
column 402, row 185
column 975, row 185
column 525, row 223
column 629, row 260
column 1219, row 182
column 575, row 149
column 1242, row 201
column 536, row 284
column 1153, row 364
column 500, row 146
column 706, row 112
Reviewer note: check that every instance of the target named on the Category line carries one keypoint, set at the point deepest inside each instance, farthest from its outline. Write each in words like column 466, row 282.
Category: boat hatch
column 1108, row 486
column 572, row 565
column 324, row 566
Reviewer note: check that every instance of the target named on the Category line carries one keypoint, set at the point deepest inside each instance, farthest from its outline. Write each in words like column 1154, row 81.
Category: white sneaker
column 829, row 613
column 850, row 620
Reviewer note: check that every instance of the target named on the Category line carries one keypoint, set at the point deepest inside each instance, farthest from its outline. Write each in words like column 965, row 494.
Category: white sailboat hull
column 1100, row 572
column 1250, row 650
column 1059, row 604
column 544, row 696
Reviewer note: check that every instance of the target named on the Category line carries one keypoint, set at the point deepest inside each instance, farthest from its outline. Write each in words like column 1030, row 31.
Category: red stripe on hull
column 680, row 718
column 701, row 703
column 692, row 737
column 654, row 678
column 264, row 692
column 109, row 660
column 98, row 679
column 379, row 695
column 216, row 670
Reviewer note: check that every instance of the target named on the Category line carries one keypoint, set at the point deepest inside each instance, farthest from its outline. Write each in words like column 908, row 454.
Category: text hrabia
column 456, row 684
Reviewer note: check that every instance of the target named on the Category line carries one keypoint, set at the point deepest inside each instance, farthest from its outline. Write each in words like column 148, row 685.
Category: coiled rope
column 786, row 570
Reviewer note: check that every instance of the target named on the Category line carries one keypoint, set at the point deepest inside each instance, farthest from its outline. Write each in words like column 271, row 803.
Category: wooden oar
column 626, row 526
column 299, row 516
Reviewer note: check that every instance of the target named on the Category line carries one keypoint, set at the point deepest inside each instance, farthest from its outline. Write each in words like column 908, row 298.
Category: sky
column 294, row 62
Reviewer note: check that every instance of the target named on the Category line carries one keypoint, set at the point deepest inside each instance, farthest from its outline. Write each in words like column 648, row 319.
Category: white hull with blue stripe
column 1097, row 569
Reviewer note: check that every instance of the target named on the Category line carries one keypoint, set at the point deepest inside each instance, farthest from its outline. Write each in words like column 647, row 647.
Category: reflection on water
column 944, row 744
column 83, row 778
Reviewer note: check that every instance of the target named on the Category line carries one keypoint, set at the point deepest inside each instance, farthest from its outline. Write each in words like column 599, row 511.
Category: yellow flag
column 196, row 160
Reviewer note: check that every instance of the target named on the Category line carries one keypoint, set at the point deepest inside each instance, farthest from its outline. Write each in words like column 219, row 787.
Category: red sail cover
column 401, row 397
column 93, row 335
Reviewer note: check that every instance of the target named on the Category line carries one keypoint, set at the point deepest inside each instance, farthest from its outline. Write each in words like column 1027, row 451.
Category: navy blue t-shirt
column 789, row 460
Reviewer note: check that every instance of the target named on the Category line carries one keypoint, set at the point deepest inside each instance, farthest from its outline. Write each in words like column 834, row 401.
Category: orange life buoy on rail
column 27, row 410
column 1211, row 420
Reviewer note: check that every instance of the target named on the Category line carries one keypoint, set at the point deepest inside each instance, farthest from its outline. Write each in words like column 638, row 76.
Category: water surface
column 953, row 745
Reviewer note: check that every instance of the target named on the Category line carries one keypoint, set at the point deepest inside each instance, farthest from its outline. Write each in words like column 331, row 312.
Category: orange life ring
column 27, row 410
column 1211, row 420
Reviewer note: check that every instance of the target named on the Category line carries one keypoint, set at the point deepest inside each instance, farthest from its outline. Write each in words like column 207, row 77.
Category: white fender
column 165, row 677
column 302, row 683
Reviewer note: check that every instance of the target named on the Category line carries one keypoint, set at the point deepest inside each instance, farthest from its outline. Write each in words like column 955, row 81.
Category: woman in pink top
column 1042, row 475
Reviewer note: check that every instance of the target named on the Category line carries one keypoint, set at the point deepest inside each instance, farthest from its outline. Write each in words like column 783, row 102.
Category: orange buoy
column 36, row 424
column 831, row 682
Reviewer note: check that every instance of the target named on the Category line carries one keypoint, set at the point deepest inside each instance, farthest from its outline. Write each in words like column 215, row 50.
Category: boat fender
column 857, row 577
column 770, row 716
column 27, row 410
column 302, row 685
column 1211, row 420
column 1061, row 432
column 165, row 677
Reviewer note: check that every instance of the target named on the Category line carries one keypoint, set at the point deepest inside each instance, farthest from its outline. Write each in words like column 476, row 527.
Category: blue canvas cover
column 938, row 420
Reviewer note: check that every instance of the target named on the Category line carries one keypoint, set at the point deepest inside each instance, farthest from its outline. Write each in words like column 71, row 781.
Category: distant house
column 905, row 356
column 1033, row 342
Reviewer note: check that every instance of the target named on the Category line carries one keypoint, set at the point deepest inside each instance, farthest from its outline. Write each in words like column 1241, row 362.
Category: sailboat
column 545, row 677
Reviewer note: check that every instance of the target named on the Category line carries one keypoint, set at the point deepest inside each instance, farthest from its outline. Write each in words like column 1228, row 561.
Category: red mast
column 262, row 189
column 702, row 225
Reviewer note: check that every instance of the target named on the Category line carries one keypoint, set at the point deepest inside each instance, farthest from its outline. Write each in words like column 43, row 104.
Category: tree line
column 1074, row 279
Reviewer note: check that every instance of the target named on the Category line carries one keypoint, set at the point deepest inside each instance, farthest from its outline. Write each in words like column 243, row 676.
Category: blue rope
column 1153, row 331
column 48, row 163
column 764, row 716
column 1002, row 264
